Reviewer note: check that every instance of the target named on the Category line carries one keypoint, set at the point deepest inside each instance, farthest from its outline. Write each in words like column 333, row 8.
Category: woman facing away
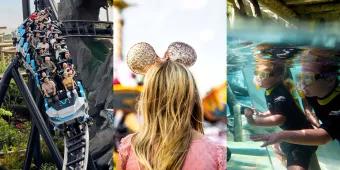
column 171, row 136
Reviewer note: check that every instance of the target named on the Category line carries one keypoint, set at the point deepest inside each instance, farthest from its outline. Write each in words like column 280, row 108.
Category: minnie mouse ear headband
column 142, row 56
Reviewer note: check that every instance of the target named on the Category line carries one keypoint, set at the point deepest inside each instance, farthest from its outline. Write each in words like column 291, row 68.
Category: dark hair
column 276, row 51
column 279, row 68
column 325, row 60
column 43, row 79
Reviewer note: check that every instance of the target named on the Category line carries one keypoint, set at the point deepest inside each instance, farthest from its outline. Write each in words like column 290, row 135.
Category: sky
column 10, row 13
column 196, row 22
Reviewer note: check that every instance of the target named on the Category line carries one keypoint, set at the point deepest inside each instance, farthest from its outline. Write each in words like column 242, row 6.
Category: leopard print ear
column 141, row 57
column 182, row 53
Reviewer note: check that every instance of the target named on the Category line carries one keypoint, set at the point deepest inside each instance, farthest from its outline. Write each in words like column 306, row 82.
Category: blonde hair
column 171, row 108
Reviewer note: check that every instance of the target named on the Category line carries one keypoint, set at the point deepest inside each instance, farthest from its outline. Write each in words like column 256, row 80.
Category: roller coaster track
column 76, row 146
column 75, row 130
column 80, row 28
column 85, row 28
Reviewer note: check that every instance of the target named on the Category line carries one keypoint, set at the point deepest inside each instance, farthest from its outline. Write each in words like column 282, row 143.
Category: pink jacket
column 203, row 155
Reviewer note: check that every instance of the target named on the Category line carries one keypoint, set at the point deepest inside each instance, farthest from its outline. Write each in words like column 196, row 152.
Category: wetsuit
column 327, row 109
column 280, row 101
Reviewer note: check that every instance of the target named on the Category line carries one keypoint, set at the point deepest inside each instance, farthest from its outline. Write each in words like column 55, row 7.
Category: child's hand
column 248, row 113
column 267, row 139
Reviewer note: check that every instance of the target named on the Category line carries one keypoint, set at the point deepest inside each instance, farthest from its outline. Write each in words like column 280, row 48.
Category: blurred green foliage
column 3, row 65
column 13, row 96
column 12, row 142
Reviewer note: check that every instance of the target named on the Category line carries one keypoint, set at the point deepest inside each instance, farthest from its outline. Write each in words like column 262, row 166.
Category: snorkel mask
column 259, row 76
column 277, row 53
column 305, row 79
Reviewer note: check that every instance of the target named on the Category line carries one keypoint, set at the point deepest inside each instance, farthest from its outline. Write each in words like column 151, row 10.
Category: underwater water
column 241, row 64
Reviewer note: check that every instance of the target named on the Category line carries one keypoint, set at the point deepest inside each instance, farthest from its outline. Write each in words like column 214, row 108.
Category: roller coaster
column 55, row 95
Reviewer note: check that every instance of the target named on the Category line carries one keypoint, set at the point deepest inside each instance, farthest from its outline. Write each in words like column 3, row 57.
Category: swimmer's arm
column 310, row 115
column 312, row 118
column 304, row 137
column 264, row 114
column 270, row 120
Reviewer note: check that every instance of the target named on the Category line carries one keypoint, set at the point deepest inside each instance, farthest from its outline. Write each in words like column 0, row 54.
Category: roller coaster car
column 67, row 109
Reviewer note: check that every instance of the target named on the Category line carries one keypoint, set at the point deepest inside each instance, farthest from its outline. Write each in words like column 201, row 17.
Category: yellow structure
column 215, row 100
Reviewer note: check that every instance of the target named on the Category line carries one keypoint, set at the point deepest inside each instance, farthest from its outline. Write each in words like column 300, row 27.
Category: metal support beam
column 36, row 3
column 37, row 118
column 32, row 148
column 91, row 164
column 4, row 83
column 37, row 150
column 36, row 137
column 25, row 9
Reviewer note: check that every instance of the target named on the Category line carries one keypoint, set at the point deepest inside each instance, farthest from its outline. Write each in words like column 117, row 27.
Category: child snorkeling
column 283, row 110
